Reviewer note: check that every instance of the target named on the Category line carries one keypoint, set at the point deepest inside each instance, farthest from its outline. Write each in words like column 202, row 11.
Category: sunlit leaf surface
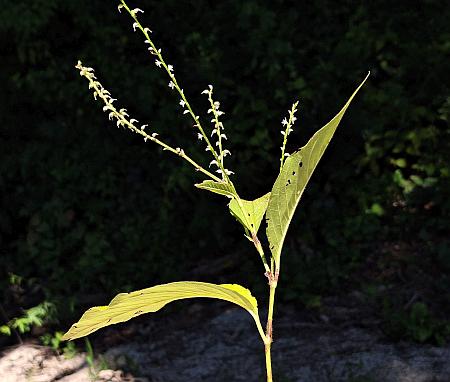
column 292, row 180
column 128, row 305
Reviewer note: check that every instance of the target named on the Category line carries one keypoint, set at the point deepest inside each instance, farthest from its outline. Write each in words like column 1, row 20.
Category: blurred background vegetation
column 88, row 210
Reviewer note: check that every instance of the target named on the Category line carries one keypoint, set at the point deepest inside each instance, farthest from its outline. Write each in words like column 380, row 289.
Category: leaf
column 251, row 213
column 221, row 188
column 292, row 180
column 125, row 306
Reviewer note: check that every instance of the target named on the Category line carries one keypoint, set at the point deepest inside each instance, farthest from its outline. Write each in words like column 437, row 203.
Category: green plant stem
column 269, row 328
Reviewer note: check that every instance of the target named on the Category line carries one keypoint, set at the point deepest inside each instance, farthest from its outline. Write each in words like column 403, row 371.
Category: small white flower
column 223, row 136
column 143, row 127
column 219, row 171
column 207, row 148
column 112, row 100
column 186, row 111
column 119, row 7
column 213, row 132
column 226, row 152
column 219, row 113
column 294, row 119
column 145, row 139
column 106, row 107
column 228, row 172
column 135, row 11
column 205, row 92
column 199, row 136
column 210, row 111
column 158, row 63
column 210, row 87
column 124, row 112
column 154, row 135
column 284, row 122
column 170, row 68
column 282, row 133
column 213, row 162
column 95, row 95
column 111, row 116
column 133, row 120
column 171, row 85
column 147, row 30
column 182, row 103
column 118, row 122
column 287, row 155
column 135, row 25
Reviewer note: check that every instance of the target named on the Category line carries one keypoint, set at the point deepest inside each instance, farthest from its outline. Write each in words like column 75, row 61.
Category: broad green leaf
column 250, row 213
column 128, row 305
column 292, row 180
column 221, row 188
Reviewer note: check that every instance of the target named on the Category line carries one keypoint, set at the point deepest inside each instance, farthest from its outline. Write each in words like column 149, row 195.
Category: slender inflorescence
column 174, row 85
column 218, row 131
column 122, row 118
column 287, row 124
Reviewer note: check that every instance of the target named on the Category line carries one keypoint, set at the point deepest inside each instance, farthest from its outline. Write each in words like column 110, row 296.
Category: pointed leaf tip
column 293, row 178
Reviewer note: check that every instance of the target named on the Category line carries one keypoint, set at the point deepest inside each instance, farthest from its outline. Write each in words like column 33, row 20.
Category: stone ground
column 339, row 345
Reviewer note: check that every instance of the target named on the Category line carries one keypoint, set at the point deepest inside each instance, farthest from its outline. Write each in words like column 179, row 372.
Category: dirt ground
column 217, row 345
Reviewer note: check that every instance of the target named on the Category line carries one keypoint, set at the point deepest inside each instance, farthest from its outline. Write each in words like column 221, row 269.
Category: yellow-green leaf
column 221, row 188
column 250, row 213
column 292, row 180
column 125, row 306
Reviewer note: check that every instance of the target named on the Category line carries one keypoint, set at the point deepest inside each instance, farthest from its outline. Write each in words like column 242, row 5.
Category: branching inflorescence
column 278, row 206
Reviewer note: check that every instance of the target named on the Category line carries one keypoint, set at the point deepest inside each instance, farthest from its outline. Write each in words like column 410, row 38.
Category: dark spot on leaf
column 301, row 164
column 252, row 225
column 248, row 214
column 109, row 320
column 293, row 172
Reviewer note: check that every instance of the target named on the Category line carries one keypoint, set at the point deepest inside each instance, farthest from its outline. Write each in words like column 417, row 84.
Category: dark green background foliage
column 88, row 209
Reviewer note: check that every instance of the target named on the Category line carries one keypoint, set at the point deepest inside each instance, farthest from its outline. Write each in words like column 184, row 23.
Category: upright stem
column 273, row 279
